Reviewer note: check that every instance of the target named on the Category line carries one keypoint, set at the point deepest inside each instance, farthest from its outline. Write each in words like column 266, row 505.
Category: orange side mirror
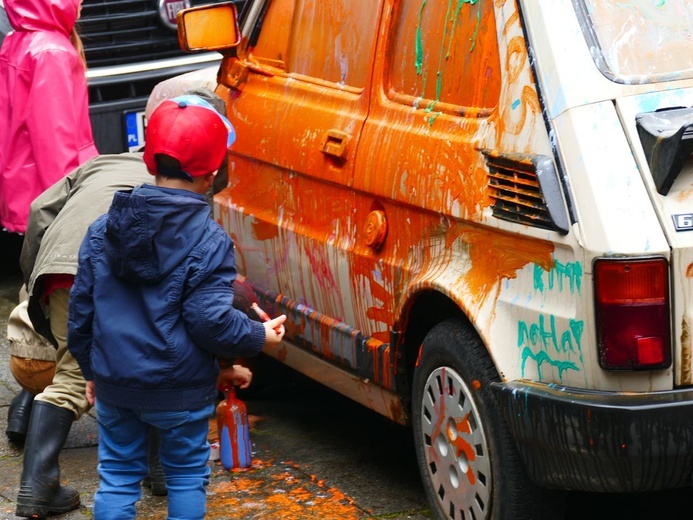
column 211, row 27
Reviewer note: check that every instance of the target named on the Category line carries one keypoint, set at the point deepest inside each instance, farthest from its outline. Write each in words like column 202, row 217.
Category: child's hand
column 90, row 391
column 274, row 330
column 238, row 375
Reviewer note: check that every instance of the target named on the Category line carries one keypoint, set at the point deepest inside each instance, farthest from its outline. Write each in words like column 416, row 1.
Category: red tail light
column 632, row 313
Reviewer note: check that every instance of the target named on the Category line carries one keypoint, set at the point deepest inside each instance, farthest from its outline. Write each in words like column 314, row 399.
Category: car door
column 298, row 96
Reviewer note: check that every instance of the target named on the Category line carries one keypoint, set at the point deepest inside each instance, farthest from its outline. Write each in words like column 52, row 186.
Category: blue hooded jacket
column 150, row 307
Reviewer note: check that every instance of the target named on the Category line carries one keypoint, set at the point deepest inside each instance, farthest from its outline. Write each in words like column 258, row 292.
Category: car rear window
column 639, row 41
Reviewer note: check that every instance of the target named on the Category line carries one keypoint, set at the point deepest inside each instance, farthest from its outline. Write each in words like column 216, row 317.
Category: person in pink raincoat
column 45, row 130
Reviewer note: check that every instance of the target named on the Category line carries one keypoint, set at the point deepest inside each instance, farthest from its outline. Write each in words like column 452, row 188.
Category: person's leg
column 184, row 454
column 32, row 363
column 40, row 491
column 18, row 417
column 122, row 462
column 52, row 415
column 68, row 387
column 156, row 479
column 67, row 390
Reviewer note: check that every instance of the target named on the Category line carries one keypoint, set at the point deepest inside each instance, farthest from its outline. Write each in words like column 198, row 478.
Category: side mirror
column 212, row 27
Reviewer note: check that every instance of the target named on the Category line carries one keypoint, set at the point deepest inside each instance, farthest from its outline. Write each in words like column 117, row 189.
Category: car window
column 350, row 26
column 446, row 52
column 639, row 41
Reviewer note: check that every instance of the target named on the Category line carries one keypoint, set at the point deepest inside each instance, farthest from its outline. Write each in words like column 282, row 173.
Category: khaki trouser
column 32, row 357
column 68, row 387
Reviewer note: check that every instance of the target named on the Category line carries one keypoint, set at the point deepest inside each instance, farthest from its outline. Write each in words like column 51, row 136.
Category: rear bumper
column 601, row 441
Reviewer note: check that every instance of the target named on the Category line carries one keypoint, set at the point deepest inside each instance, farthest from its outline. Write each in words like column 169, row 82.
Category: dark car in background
column 130, row 45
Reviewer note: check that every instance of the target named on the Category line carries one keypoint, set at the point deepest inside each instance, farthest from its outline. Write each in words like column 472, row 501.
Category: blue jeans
column 123, row 461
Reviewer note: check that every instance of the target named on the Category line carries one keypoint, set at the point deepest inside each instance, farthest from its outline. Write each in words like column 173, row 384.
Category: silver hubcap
column 455, row 447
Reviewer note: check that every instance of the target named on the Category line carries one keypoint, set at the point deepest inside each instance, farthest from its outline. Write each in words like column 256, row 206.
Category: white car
column 477, row 217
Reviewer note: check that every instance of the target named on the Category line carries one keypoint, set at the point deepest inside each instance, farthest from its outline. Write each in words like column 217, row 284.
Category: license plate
column 134, row 130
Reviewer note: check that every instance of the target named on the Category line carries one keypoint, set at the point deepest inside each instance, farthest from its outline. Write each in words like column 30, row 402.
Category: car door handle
column 334, row 143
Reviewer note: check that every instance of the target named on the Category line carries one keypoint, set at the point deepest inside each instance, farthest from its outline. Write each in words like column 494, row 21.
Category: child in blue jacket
column 151, row 310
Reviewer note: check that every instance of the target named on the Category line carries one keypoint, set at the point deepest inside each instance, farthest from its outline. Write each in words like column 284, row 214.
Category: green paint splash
column 451, row 19
column 542, row 357
column 434, row 115
column 569, row 273
column 419, row 45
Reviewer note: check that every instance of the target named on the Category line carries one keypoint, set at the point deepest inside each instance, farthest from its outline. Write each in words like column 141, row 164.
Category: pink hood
column 43, row 15
column 45, row 130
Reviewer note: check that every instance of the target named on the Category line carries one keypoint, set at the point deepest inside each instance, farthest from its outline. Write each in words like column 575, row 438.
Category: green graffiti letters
column 543, row 341
column 544, row 338
column 541, row 358
column 570, row 273
column 539, row 335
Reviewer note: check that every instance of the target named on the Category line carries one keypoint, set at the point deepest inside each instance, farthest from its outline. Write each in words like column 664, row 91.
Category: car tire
column 468, row 461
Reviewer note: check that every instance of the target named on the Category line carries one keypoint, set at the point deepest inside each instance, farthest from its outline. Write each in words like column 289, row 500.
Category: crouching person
column 58, row 221
column 151, row 309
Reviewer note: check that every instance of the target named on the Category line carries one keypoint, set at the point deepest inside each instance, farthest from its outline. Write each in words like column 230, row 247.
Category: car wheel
column 467, row 458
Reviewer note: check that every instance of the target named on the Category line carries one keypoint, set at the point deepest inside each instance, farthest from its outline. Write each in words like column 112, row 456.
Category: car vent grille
column 517, row 184
column 116, row 32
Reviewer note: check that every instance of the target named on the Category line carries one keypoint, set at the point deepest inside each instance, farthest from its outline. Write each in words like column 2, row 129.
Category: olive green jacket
column 60, row 216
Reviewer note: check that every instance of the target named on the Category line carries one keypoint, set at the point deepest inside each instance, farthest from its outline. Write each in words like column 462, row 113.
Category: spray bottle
column 234, row 436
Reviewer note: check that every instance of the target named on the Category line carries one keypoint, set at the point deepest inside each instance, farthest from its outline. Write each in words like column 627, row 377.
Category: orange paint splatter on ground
column 270, row 491
column 273, row 490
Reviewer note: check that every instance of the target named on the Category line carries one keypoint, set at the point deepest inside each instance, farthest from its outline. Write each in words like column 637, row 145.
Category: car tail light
column 632, row 313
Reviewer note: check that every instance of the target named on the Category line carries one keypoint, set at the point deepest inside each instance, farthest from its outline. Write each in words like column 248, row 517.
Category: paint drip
column 234, row 435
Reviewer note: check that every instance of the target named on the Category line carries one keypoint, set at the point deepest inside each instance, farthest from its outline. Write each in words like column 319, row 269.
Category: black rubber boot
column 40, row 492
column 18, row 416
column 156, row 479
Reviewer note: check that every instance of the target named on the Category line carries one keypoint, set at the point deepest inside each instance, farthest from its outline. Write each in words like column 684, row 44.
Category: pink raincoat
column 45, row 130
